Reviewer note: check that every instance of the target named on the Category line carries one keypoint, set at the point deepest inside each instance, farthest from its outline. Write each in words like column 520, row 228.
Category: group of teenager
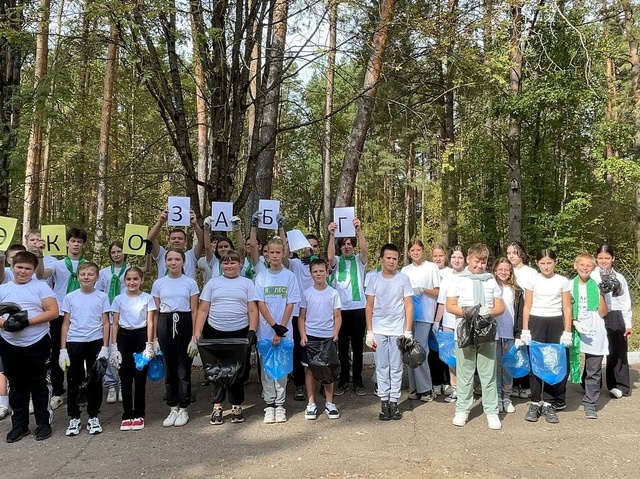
column 80, row 316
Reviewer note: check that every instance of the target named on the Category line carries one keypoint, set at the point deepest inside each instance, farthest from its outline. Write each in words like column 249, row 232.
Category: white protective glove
column 156, row 346
column 280, row 220
column 370, row 340
column 582, row 329
column 566, row 339
column 148, row 352
column 519, row 343
column 206, row 224
column 235, row 223
column 63, row 360
column 418, row 291
column 192, row 349
column 408, row 334
column 104, row 352
column 525, row 337
column 115, row 358
column 484, row 311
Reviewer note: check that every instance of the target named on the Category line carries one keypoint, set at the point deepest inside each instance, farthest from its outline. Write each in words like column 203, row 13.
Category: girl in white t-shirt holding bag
column 176, row 297
column 547, row 319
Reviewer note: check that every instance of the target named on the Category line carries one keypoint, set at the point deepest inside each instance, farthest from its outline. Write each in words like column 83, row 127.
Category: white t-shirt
column 85, row 311
column 61, row 275
column 506, row 319
column 620, row 303
column 229, row 298
column 444, row 272
column 524, row 274
column 276, row 290
column 104, row 278
column 448, row 282
column 344, row 287
column 204, row 265
column 463, row 290
column 29, row 296
column 547, row 294
column 303, row 275
column 594, row 339
column 8, row 275
column 190, row 263
column 133, row 310
column 367, row 279
column 426, row 275
column 174, row 293
column 388, row 304
column 320, row 306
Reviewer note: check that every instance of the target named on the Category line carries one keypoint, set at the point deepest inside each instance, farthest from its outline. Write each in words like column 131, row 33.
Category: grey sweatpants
column 420, row 377
column 388, row 368
column 273, row 391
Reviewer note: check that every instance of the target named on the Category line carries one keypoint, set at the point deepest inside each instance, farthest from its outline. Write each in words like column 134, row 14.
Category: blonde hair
column 478, row 250
column 586, row 256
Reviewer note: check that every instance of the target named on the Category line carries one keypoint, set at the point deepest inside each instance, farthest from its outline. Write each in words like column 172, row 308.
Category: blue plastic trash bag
column 433, row 342
column 516, row 362
column 277, row 361
column 548, row 361
column 156, row 369
column 417, row 308
column 140, row 361
column 447, row 347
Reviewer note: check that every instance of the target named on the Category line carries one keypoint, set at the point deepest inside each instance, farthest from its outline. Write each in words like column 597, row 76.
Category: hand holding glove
column 280, row 329
column 370, row 340
column 525, row 337
column 148, row 246
column 280, row 220
column 104, row 352
column 251, row 336
column 469, row 312
column 206, row 224
column 566, row 339
column 17, row 322
column 63, row 360
column 192, row 349
column 156, row 346
column 519, row 343
column 408, row 334
column 235, row 223
column 115, row 358
column 255, row 219
column 148, row 352
column 484, row 311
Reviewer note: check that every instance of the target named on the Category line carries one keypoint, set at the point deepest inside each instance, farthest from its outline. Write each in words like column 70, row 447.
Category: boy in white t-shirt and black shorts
column 319, row 320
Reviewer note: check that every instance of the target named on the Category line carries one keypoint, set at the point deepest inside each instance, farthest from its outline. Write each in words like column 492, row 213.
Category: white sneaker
column 4, row 412
column 171, row 418
column 74, row 427
column 182, row 419
column 56, row 402
column 269, row 415
column 281, row 414
column 616, row 393
column 453, row 397
column 437, row 390
column 460, row 418
column 311, row 412
column 508, row 406
column 112, row 396
column 500, row 406
column 447, row 390
column 93, row 426
column 493, row 421
column 31, row 406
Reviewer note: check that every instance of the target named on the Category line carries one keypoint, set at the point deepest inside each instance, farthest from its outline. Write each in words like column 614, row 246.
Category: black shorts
column 304, row 358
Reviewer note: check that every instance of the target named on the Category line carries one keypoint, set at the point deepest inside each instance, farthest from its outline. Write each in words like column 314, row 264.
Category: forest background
column 484, row 120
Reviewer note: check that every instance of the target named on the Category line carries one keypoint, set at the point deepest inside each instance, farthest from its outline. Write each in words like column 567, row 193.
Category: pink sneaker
column 126, row 425
column 137, row 424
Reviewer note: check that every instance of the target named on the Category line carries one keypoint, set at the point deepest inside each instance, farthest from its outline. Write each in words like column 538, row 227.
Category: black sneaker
column 590, row 413
column 550, row 413
column 394, row 411
column 236, row 414
column 299, row 394
column 385, row 413
column 43, row 432
column 216, row 417
column 17, row 433
column 533, row 413
column 359, row 389
column 429, row 396
column 341, row 389
column 559, row 406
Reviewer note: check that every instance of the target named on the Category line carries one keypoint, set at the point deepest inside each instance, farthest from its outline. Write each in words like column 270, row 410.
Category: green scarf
column 478, row 288
column 114, row 286
column 249, row 272
column 593, row 295
column 72, row 283
column 353, row 274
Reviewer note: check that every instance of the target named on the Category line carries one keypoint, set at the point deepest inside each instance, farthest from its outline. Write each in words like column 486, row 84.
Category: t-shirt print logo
column 275, row 291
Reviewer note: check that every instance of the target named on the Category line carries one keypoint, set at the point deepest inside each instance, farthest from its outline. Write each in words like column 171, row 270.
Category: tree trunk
column 328, row 111
column 34, row 153
column 110, row 74
column 351, row 162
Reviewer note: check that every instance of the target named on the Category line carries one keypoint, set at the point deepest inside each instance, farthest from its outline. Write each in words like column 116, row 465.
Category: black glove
column 280, row 330
column 469, row 312
column 607, row 284
column 251, row 336
column 17, row 322
column 148, row 246
column 616, row 290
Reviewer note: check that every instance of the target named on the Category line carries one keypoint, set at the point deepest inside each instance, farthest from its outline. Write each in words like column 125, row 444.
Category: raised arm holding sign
column 134, row 236
column 221, row 214
column 179, row 211
column 343, row 217
column 269, row 211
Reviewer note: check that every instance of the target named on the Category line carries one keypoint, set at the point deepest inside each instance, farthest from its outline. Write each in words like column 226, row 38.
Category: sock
column 4, row 401
column 312, row 404
column 330, row 405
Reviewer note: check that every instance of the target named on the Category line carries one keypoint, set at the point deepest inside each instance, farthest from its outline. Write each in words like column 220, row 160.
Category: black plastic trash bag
column 224, row 360
column 324, row 363
column 94, row 378
column 464, row 332
column 9, row 308
column 484, row 329
column 413, row 353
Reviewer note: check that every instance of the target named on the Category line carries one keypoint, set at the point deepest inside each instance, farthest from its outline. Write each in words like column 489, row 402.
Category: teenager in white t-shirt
column 277, row 293
column 589, row 309
column 176, row 297
column 319, row 320
column 476, row 287
column 25, row 352
column 547, row 319
column 177, row 240
column 440, row 371
column 228, row 310
column 85, row 338
column 64, row 273
column 132, row 332
column 425, row 281
column 348, row 279
column 389, row 315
